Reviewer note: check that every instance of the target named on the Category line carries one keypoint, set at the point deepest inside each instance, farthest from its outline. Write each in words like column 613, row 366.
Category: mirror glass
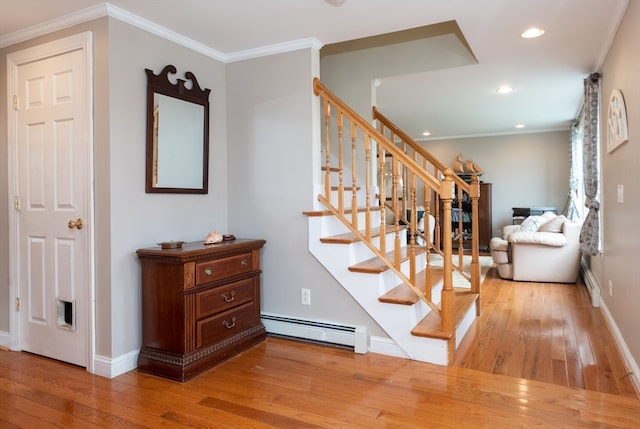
column 177, row 134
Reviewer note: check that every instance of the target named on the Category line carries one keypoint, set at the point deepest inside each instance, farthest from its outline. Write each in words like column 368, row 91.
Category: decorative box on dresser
column 200, row 305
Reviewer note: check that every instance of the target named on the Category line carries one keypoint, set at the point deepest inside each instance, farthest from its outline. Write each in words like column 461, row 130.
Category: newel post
column 474, row 194
column 447, row 303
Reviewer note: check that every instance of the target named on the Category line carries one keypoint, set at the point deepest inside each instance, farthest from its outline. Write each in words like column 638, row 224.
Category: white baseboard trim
column 386, row 346
column 312, row 330
column 629, row 361
column 591, row 283
column 4, row 339
column 102, row 366
column 113, row 367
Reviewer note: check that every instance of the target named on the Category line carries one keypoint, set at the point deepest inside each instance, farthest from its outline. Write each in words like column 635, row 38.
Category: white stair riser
column 347, row 195
column 330, row 225
column 396, row 320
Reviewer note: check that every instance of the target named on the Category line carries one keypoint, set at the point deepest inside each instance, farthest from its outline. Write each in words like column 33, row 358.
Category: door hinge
column 16, row 102
column 16, row 202
column 18, row 304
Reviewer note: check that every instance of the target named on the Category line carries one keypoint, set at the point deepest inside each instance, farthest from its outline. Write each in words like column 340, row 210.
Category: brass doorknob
column 75, row 223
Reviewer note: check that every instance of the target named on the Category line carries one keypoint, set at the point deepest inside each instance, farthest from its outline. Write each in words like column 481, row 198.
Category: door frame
column 83, row 42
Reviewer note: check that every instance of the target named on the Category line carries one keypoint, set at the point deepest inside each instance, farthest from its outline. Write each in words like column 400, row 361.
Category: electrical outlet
column 610, row 288
column 305, row 296
column 620, row 194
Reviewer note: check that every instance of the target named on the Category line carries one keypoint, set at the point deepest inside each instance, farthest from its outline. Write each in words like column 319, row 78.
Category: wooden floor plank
column 545, row 332
column 283, row 383
column 531, row 329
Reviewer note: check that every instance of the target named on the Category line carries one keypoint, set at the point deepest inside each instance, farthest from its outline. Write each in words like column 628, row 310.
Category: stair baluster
column 412, row 169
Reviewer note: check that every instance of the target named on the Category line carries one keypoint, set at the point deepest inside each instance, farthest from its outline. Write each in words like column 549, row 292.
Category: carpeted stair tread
column 430, row 325
column 404, row 295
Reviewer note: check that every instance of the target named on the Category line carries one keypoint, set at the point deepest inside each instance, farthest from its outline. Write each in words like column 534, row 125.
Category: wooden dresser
column 200, row 305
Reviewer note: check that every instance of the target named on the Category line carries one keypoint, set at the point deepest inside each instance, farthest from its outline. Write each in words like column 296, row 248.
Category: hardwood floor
column 288, row 384
column 545, row 332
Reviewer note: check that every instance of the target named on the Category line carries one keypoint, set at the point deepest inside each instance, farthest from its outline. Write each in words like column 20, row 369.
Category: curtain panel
column 571, row 209
column 590, row 233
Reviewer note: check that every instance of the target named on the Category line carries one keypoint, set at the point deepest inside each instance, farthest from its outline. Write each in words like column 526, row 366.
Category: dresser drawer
column 216, row 269
column 223, row 297
column 212, row 329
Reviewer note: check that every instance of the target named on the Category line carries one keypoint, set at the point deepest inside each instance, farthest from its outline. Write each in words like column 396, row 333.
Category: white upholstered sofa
column 542, row 249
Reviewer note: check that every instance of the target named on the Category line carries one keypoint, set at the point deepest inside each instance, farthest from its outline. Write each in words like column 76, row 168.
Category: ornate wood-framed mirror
column 177, row 159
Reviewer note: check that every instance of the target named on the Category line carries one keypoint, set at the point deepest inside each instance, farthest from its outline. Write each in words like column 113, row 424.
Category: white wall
column 270, row 173
column 621, row 230
column 266, row 105
column 139, row 219
column 271, row 170
column 126, row 218
column 525, row 169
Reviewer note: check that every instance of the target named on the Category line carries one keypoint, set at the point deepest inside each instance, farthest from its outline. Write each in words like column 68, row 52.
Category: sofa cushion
column 498, row 244
column 553, row 239
column 531, row 223
column 508, row 229
column 553, row 225
column 501, row 257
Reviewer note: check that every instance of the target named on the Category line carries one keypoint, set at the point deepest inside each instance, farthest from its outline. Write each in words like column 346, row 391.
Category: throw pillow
column 531, row 223
column 553, row 225
column 548, row 215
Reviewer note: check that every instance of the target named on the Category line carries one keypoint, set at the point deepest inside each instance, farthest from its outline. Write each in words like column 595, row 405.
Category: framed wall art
column 617, row 128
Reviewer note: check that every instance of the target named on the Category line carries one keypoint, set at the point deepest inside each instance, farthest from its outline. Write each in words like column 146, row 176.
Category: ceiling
column 448, row 97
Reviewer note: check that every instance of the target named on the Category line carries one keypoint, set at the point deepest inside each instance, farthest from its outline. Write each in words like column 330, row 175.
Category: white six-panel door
column 52, row 204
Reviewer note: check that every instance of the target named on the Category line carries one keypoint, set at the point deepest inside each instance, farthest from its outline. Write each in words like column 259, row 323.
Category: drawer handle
column 244, row 262
column 227, row 325
column 208, row 271
column 231, row 298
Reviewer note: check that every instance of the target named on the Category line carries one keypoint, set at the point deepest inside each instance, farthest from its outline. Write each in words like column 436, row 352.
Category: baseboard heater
column 354, row 337
column 591, row 282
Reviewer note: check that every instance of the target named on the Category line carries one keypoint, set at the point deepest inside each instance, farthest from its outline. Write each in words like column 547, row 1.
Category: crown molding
column 278, row 48
column 498, row 134
column 602, row 55
column 107, row 9
column 163, row 32
column 54, row 25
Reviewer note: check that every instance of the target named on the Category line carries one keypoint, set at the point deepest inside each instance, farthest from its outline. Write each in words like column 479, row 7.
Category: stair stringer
column 396, row 320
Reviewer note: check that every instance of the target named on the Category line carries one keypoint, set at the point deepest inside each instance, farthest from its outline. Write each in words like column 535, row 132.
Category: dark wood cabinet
column 200, row 305
column 463, row 211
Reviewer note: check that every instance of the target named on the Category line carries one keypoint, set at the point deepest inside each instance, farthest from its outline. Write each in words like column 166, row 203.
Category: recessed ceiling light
column 520, row 126
column 504, row 89
column 532, row 33
column 335, row 3
column 426, row 133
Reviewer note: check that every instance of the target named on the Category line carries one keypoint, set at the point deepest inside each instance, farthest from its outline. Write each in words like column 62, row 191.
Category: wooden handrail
column 320, row 90
column 365, row 140
column 414, row 176
column 439, row 165
column 472, row 189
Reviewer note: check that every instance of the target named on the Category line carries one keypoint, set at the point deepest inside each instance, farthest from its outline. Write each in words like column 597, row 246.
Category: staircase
column 366, row 233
